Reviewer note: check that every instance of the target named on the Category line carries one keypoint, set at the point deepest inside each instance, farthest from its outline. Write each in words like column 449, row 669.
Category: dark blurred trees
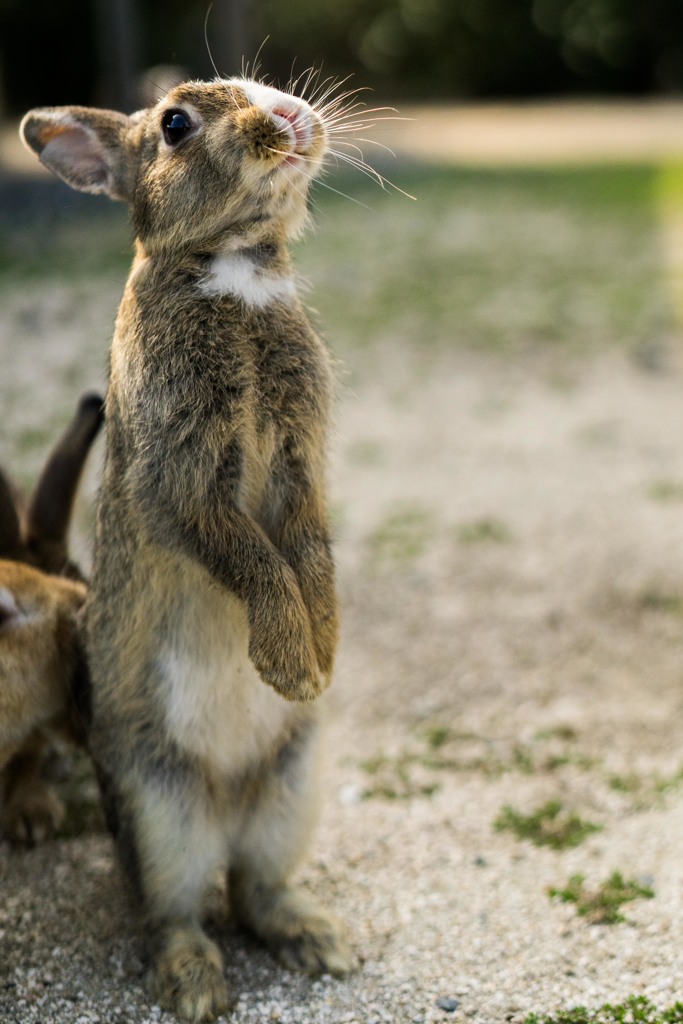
column 60, row 53
column 484, row 48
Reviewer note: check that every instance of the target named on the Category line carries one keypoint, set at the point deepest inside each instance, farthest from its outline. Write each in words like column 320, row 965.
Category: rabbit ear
column 50, row 507
column 10, row 530
column 84, row 147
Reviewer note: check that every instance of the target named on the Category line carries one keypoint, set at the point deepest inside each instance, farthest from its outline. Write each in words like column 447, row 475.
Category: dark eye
column 175, row 125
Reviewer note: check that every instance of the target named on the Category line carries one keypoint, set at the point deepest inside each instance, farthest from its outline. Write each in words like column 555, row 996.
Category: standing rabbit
column 42, row 668
column 211, row 622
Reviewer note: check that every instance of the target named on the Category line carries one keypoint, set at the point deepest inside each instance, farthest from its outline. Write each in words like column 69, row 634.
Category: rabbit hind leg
column 170, row 842
column 301, row 934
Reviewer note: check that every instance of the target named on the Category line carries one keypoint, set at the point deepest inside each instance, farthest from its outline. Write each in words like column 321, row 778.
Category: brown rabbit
column 42, row 669
column 211, row 622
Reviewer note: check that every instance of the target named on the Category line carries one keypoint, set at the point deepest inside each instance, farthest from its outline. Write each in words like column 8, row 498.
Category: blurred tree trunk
column 229, row 36
column 118, row 46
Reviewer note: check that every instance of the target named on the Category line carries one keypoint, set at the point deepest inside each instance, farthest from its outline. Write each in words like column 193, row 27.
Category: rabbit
column 211, row 621
column 43, row 679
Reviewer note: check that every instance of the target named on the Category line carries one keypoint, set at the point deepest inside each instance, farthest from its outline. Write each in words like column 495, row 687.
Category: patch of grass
column 394, row 779
column 666, row 491
column 32, row 439
column 603, row 904
column 550, row 825
column 660, row 601
column 437, row 748
column 635, row 1010
column 567, row 733
column 366, row 453
column 484, row 531
column 646, row 790
column 630, row 783
column 402, row 536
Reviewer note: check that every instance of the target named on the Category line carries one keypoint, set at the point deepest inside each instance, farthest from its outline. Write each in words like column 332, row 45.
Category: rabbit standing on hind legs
column 42, row 667
column 211, row 622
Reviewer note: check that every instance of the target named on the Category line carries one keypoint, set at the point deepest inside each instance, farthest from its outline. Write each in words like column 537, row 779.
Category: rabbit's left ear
column 50, row 507
column 10, row 532
column 85, row 147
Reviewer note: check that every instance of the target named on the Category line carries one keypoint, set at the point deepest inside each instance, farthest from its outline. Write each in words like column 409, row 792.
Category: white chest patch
column 217, row 706
column 238, row 276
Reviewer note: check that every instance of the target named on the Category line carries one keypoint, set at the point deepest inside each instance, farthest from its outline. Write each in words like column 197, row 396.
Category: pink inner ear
column 76, row 153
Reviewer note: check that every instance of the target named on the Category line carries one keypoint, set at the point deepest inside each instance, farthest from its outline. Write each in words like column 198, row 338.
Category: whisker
column 206, row 41
column 370, row 172
column 336, row 191
column 369, row 142
column 318, row 101
column 256, row 63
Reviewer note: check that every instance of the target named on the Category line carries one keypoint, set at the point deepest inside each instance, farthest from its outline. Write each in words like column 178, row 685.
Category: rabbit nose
column 292, row 122
column 8, row 606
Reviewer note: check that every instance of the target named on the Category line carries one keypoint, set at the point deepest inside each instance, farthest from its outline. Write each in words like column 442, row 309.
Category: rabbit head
column 210, row 159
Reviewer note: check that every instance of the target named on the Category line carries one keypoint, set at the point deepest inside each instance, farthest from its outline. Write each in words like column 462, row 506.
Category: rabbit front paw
column 291, row 670
column 281, row 644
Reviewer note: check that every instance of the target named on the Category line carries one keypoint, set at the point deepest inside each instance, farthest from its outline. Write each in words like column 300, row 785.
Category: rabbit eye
column 175, row 125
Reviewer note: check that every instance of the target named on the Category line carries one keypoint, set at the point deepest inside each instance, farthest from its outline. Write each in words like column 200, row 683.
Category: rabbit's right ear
column 85, row 147
column 10, row 532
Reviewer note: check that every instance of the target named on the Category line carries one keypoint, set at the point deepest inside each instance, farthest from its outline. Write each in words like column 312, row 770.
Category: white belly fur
column 216, row 705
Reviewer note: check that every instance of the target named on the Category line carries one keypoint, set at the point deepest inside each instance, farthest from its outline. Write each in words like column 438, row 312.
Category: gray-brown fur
column 43, row 677
column 211, row 623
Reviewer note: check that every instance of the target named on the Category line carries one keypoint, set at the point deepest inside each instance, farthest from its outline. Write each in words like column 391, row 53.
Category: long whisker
column 206, row 41
column 369, row 142
column 370, row 172
column 336, row 191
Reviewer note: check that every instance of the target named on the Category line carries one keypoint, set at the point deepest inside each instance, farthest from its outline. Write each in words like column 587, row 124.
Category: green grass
column 550, row 825
column 602, row 905
column 634, row 1010
column 497, row 260
column 401, row 537
column 666, row 491
column 436, row 749
column 484, row 531
column 656, row 600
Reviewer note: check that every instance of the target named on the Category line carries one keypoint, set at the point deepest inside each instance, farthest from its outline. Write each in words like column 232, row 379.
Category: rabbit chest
column 208, row 384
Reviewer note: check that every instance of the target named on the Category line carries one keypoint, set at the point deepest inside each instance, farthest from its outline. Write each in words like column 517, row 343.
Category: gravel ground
column 548, row 652
column 510, row 550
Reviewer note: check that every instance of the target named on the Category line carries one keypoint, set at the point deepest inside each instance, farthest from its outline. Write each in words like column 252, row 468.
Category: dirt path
column 528, row 133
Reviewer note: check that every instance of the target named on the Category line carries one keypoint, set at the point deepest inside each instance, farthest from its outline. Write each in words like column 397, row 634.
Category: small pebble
column 447, row 1004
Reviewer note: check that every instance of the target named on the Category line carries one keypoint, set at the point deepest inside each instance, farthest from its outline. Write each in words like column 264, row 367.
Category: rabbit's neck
column 251, row 274
column 252, row 265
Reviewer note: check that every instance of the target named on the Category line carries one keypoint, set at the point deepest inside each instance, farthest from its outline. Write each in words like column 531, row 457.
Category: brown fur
column 41, row 661
column 212, row 616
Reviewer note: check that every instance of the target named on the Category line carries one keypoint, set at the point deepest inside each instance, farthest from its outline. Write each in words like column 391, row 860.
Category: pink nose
column 296, row 124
